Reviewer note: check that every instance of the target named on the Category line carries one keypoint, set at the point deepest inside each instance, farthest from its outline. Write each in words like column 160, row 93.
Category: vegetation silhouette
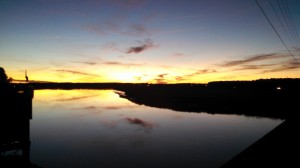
column 3, row 76
column 274, row 98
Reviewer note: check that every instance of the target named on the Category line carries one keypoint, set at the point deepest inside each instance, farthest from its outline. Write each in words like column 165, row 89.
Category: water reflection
column 96, row 128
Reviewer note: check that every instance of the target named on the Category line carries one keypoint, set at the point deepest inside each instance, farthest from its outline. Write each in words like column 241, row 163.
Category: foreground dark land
column 275, row 98
column 278, row 148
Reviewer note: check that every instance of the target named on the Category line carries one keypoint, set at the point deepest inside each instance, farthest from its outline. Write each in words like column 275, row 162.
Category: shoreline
column 274, row 98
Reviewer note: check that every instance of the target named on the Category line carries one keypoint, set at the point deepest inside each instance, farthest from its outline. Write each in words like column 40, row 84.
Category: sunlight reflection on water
column 96, row 128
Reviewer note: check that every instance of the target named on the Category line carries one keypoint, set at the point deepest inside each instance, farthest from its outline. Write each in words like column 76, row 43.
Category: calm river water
column 97, row 128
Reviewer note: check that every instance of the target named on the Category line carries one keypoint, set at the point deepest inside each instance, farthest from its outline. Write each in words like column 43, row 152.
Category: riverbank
column 269, row 98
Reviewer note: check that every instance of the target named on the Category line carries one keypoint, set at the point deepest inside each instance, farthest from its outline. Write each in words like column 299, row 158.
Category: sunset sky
column 155, row 41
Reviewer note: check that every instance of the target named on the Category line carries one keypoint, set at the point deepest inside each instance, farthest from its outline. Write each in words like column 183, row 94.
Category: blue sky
column 157, row 41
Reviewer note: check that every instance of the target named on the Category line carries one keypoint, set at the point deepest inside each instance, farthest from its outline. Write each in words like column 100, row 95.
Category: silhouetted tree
column 3, row 76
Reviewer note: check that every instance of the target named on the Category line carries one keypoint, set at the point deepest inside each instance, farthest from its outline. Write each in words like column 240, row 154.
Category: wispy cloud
column 86, row 62
column 255, row 58
column 292, row 65
column 104, row 28
column 197, row 72
column 145, row 45
column 112, row 26
column 177, row 55
column 138, row 29
column 204, row 71
column 111, row 46
column 120, row 63
column 77, row 72
column 256, row 63
column 253, row 67
column 95, row 28
column 201, row 72
column 114, row 107
column 179, row 78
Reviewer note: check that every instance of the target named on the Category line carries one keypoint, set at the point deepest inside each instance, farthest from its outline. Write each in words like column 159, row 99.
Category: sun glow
column 126, row 77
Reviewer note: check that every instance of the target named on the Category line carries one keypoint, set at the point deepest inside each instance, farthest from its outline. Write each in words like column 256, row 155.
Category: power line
column 283, row 10
column 279, row 19
column 289, row 26
column 275, row 29
column 290, row 18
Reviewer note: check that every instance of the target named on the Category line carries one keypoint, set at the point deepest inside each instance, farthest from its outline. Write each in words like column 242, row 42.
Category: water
column 97, row 128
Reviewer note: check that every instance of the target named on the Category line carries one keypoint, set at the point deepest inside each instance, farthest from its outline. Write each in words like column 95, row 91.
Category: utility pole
column 26, row 76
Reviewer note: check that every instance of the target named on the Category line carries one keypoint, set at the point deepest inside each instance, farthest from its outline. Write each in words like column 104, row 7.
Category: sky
column 149, row 41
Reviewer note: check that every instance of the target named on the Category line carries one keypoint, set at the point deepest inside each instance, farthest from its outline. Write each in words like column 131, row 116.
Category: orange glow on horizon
column 145, row 75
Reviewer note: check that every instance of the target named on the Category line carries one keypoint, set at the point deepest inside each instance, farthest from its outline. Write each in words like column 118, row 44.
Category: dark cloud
column 120, row 63
column 113, row 63
column 146, row 44
column 77, row 72
column 160, row 79
column 198, row 72
column 139, row 122
column 243, row 64
column 205, row 71
column 253, row 67
column 179, row 78
column 117, row 107
column 254, row 59
column 292, row 65
column 201, row 72
column 162, row 75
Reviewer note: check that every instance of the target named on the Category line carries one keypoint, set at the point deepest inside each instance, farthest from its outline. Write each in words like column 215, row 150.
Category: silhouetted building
column 16, row 112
